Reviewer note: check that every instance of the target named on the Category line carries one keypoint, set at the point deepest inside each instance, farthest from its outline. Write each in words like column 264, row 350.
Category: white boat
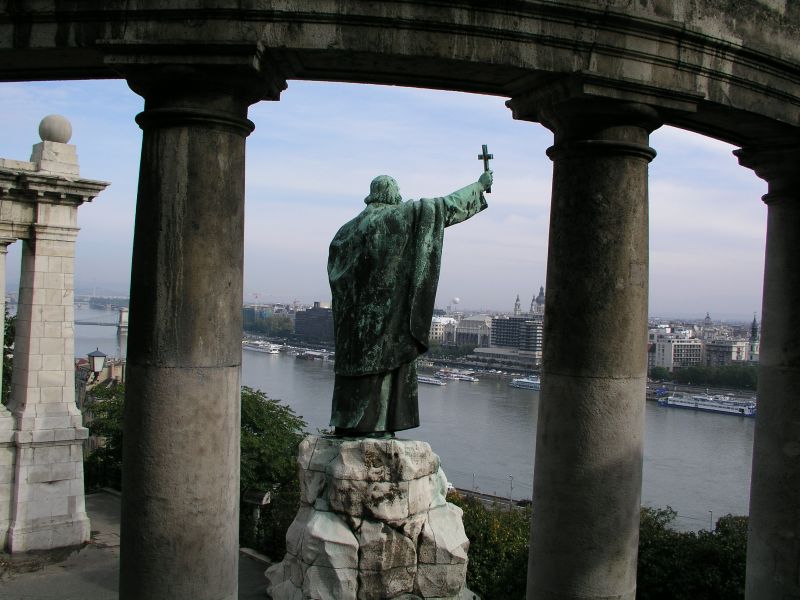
column 455, row 375
column 261, row 346
column 430, row 380
column 528, row 383
column 717, row 403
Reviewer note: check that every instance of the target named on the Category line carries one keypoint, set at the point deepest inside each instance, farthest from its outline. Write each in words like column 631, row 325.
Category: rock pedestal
column 373, row 523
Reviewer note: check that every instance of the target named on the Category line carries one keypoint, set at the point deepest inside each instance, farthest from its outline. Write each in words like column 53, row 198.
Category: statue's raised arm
column 383, row 268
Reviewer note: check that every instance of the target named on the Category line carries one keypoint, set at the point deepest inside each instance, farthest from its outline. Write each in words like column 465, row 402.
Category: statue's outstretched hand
column 486, row 179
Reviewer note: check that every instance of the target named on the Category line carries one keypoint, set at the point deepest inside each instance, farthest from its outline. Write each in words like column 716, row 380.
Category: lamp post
column 97, row 361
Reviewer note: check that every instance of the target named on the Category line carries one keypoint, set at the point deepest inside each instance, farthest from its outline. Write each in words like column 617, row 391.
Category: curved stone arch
column 725, row 68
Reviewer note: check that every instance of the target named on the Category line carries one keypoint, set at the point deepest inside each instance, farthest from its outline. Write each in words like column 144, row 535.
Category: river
column 697, row 463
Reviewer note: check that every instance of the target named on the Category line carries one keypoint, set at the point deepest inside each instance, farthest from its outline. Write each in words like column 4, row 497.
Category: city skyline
column 313, row 154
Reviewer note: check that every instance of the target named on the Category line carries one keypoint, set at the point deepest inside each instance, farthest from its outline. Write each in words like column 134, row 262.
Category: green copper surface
column 383, row 268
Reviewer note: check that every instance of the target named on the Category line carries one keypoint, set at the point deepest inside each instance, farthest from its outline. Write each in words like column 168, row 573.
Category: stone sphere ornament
column 55, row 128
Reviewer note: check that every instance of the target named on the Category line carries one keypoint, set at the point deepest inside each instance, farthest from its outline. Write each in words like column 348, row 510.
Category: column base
column 8, row 452
column 47, row 534
column 373, row 523
column 48, row 507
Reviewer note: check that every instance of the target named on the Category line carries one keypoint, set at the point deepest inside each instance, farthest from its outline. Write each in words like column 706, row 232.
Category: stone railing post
column 180, row 503
column 48, row 501
column 589, row 449
column 41, row 456
column 773, row 543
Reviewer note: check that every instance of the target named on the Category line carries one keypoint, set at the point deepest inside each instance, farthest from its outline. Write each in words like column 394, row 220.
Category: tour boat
column 430, row 380
column 717, row 403
column 260, row 346
column 528, row 383
column 455, row 375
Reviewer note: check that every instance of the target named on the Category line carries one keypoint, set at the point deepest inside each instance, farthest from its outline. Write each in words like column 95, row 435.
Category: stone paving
column 93, row 571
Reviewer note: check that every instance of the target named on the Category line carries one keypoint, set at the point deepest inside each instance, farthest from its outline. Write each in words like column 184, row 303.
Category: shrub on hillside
column 498, row 550
column 688, row 565
column 270, row 435
column 673, row 565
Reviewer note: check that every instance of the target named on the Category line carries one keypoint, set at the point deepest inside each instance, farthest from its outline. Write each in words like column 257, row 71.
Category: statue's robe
column 383, row 268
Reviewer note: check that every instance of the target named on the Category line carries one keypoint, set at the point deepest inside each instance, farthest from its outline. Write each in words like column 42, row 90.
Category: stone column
column 7, row 423
column 48, row 501
column 773, row 543
column 180, row 503
column 588, row 466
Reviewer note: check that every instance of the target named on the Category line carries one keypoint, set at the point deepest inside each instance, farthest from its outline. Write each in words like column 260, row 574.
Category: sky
column 313, row 154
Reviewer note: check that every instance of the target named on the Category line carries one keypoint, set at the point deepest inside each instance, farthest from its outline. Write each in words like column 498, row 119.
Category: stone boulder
column 373, row 523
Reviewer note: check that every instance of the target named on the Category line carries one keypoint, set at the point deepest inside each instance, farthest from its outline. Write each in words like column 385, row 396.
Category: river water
column 697, row 463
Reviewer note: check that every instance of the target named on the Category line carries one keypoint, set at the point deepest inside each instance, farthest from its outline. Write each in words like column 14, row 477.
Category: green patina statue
column 383, row 268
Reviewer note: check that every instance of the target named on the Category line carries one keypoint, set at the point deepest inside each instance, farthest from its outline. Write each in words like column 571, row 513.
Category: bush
column 498, row 550
column 673, row 565
column 270, row 435
column 8, row 356
column 688, row 565
column 103, row 466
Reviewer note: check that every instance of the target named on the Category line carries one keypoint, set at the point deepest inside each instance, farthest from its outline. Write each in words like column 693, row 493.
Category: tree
column 734, row 376
column 8, row 355
column 279, row 325
column 270, row 435
column 688, row 565
column 103, row 415
column 498, row 550
column 672, row 565
column 660, row 374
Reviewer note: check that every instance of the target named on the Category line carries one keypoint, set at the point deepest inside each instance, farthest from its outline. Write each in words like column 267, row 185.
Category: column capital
column 586, row 119
column 576, row 105
column 777, row 163
column 186, row 83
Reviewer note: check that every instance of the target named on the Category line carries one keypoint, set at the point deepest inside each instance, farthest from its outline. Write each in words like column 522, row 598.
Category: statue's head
column 383, row 190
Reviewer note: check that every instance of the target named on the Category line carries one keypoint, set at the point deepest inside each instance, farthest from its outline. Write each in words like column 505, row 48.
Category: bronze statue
column 383, row 269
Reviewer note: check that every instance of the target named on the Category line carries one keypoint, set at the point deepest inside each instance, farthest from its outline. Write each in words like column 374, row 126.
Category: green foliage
column 673, row 565
column 277, row 325
column 688, row 565
column 660, row 374
column 8, row 355
column 103, row 466
column 270, row 434
column 743, row 377
column 498, row 551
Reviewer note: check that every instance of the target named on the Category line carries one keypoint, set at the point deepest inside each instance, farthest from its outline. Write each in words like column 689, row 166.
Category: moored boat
column 261, row 346
column 430, row 380
column 717, row 403
column 455, row 375
column 531, row 382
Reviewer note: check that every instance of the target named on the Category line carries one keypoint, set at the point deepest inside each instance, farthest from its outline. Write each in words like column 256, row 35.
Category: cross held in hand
column 486, row 157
